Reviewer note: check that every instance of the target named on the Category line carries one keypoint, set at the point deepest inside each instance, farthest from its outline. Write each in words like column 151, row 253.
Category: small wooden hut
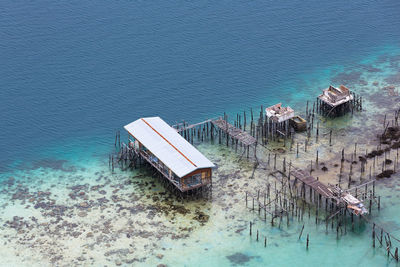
column 168, row 152
column 279, row 114
column 278, row 120
column 335, row 101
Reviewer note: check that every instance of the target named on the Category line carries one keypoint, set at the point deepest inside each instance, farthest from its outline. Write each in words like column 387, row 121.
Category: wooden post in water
column 373, row 236
column 112, row 164
column 251, row 224
column 301, row 232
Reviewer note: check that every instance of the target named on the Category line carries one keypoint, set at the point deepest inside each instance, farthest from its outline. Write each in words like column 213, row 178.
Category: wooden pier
column 313, row 183
column 181, row 127
column 235, row 133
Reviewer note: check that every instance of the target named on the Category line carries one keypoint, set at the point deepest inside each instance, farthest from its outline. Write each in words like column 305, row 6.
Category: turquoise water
column 74, row 72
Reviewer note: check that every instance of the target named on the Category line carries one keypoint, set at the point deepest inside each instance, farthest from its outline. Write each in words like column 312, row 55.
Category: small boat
column 355, row 205
column 298, row 123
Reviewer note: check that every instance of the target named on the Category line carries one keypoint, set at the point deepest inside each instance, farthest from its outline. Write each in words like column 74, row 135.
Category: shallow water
column 59, row 202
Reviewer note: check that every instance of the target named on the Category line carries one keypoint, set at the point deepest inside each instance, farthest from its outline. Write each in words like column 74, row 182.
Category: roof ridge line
column 148, row 124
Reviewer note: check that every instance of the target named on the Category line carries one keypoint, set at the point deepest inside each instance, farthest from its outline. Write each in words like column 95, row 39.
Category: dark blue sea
column 72, row 72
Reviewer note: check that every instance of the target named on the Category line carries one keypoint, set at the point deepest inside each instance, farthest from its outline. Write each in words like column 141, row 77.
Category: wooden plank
column 312, row 182
column 234, row 132
column 190, row 126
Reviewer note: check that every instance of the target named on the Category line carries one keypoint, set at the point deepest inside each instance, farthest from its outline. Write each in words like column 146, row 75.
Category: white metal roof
column 168, row 145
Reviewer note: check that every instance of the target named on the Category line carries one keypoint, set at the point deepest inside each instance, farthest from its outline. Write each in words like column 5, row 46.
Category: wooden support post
column 308, row 239
column 373, row 188
column 284, row 165
column 373, row 236
column 251, row 224
column 355, row 150
column 301, row 232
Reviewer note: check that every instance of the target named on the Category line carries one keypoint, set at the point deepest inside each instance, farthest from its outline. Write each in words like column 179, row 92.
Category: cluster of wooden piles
column 264, row 128
column 232, row 134
column 295, row 193
column 202, row 130
column 274, row 123
column 341, row 205
column 123, row 157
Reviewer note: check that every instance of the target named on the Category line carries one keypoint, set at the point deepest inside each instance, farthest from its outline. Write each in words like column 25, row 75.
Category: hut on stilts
column 334, row 102
column 278, row 120
column 175, row 159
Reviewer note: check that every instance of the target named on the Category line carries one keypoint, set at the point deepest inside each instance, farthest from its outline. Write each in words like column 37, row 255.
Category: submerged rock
column 385, row 174
column 201, row 217
column 84, row 205
column 82, row 214
column 76, row 234
column 363, row 82
column 239, row 258
column 90, row 234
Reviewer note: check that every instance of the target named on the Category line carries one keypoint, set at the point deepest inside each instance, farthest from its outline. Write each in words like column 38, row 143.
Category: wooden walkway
column 234, row 132
column 187, row 127
column 307, row 179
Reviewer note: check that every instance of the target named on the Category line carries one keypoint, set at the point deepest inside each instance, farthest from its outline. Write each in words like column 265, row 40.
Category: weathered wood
column 311, row 182
column 234, row 132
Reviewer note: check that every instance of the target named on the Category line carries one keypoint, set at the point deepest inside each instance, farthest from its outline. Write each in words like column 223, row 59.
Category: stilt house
column 278, row 120
column 168, row 152
column 335, row 101
column 336, row 96
column 277, row 113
